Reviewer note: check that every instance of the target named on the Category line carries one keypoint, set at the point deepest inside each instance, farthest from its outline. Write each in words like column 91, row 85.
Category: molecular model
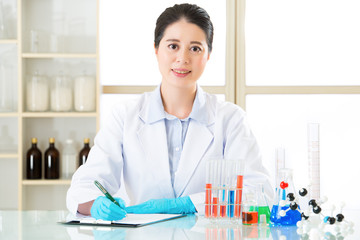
column 313, row 221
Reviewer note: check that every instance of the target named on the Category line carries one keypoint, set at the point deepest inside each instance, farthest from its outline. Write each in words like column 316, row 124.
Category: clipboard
column 131, row 220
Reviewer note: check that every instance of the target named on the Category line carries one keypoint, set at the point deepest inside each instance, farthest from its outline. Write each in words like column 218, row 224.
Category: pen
column 103, row 190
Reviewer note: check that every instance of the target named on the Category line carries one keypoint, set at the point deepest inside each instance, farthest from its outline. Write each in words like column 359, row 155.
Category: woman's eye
column 173, row 46
column 195, row 49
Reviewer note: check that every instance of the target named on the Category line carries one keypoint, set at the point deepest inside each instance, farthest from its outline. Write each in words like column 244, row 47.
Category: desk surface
column 43, row 225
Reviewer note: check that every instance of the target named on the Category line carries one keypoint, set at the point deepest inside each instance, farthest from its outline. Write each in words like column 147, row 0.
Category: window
column 299, row 43
column 302, row 65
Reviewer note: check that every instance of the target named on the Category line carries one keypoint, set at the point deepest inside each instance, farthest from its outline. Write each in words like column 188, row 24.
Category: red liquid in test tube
column 208, row 196
column 239, row 185
column 222, row 210
column 215, row 206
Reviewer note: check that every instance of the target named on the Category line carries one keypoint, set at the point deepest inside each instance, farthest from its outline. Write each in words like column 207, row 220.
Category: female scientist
column 159, row 143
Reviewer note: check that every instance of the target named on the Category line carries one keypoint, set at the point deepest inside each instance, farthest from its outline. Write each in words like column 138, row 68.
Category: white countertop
column 44, row 225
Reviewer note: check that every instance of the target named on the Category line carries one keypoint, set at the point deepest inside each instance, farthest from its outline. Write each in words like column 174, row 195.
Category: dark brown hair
column 192, row 14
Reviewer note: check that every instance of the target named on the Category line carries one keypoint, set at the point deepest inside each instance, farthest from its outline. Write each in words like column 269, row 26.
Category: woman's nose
column 183, row 56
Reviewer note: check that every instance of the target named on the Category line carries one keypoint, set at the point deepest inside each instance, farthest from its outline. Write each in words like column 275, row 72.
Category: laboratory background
column 289, row 64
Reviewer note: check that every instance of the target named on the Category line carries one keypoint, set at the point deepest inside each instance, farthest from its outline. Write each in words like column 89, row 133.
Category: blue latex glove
column 182, row 205
column 105, row 209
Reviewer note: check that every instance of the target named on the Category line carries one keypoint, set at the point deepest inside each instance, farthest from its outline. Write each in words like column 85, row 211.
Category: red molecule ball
column 284, row 185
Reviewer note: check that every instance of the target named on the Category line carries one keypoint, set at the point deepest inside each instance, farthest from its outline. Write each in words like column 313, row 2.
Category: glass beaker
column 61, row 94
column 250, row 214
column 263, row 206
column 37, row 93
column 281, row 213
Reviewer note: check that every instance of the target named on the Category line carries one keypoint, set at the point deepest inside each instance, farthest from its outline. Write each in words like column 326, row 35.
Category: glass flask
column 37, row 93
column 69, row 160
column 61, row 94
column 263, row 206
column 84, row 93
column 281, row 213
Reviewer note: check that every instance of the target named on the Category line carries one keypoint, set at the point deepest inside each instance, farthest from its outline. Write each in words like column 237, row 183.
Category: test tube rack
column 223, row 189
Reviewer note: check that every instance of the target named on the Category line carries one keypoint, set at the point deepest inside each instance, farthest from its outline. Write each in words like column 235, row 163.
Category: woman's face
column 182, row 54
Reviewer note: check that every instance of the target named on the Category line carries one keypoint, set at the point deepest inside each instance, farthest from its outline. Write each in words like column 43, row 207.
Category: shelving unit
column 8, row 155
column 8, row 41
column 67, row 41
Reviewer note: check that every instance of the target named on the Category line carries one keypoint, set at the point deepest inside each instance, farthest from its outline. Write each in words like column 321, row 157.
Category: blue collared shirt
column 176, row 128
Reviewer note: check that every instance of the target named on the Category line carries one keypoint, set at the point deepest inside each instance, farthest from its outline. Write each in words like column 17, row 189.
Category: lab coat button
column 177, row 149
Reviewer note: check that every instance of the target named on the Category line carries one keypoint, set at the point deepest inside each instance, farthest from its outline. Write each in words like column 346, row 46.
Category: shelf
column 58, row 114
column 58, row 55
column 46, row 36
column 8, row 41
column 8, row 114
column 8, row 155
column 46, row 182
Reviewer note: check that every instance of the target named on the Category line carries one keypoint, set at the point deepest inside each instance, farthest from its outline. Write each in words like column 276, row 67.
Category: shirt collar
column 156, row 112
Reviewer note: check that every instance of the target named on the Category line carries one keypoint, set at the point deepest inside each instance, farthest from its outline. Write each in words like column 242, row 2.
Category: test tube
column 231, row 186
column 208, row 188
column 216, row 187
column 222, row 190
column 239, row 186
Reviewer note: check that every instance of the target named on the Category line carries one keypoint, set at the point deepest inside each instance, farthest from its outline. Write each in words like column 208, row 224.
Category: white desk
column 43, row 225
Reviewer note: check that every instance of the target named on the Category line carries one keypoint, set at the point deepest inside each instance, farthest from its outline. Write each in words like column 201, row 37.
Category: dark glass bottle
column 84, row 152
column 52, row 161
column 33, row 161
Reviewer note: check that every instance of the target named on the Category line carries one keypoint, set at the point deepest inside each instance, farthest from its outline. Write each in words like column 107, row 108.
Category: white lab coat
column 135, row 146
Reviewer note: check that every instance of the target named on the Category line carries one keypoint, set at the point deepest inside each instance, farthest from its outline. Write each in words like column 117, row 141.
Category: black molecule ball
column 303, row 192
column 291, row 197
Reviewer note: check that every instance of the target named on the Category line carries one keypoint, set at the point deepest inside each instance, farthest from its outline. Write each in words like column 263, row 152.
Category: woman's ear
column 156, row 49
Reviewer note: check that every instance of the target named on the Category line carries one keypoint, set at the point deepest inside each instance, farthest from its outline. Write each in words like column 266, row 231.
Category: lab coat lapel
column 152, row 135
column 198, row 139
column 154, row 143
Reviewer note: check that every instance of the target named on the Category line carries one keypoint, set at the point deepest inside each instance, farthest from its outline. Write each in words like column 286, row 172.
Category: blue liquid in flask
column 283, row 188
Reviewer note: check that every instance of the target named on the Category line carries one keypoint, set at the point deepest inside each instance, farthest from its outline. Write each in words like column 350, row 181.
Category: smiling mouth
column 181, row 72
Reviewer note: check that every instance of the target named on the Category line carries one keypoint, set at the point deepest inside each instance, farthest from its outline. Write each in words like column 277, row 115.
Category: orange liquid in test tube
column 208, row 200
column 239, row 185
column 215, row 206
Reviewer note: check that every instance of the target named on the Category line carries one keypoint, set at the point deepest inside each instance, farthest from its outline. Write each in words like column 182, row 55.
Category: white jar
column 37, row 93
column 69, row 160
column 84, row 93
column 61, row 94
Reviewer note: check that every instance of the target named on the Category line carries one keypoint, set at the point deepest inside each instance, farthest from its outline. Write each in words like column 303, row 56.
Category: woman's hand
column 181, row 205
column 105, row 209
